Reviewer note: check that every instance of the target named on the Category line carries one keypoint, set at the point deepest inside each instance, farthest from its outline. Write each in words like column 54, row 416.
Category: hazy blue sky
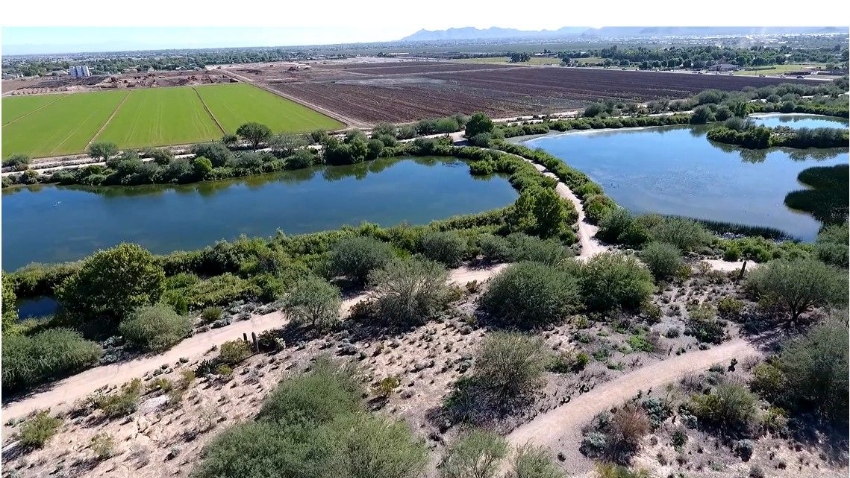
column 339, row 21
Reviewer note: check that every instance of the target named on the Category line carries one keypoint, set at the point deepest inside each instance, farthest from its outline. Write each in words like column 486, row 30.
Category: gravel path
column 559, row 429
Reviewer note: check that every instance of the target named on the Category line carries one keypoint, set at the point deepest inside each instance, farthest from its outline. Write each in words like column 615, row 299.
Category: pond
column 57, row 223
column 773, row 120
column 676, row 170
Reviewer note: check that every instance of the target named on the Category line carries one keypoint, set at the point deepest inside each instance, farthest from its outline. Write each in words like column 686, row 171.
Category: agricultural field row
column 52, row 125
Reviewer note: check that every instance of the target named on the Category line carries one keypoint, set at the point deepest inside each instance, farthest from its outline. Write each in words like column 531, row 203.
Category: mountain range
column 496, row 33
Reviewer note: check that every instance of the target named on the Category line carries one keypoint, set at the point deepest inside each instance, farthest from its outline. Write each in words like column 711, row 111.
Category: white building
column 81, row 71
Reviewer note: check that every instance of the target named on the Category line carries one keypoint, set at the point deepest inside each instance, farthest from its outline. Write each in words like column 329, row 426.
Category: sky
column 100, row 25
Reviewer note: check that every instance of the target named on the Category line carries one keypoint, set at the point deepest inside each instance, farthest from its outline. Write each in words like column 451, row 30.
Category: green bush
column 730, row 409
column 529, row 295
column 686, row 234
column 611, row 280
column 120, row 403
column 831, row 245
column 234, row 351
column 815, row 368
column 494, row 248
column 447, row 247
column 619, row 227
column 768, row 380
column 369, row 446
column 703, row 325
column 476, row 454
column 315, row 398
column 48, row 355
column 313, row 301
column 103, row 446
column 36, row 431
column 510, row 364
column 529, row 248
column 155, row 328
column 663, row 260
column 534, row 462
column 356, row 257
column 211, row 314
column 798, row 285
column 729, row 308
column 409, row 291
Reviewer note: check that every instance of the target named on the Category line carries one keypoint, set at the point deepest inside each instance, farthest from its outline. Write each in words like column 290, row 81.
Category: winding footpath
column 559, row 429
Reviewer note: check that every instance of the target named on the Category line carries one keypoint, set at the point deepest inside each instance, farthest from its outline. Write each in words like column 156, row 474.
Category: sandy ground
column 560, row 429
column 64, row 392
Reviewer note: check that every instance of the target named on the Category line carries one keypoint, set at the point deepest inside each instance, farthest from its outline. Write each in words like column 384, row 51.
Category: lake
column 62, row 223
column 773, row 120
column 676, row 170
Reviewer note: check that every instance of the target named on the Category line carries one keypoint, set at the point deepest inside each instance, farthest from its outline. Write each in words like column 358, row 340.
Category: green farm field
column 159, row 117
column 231, row 104
column 54, row 125
column 63, row 127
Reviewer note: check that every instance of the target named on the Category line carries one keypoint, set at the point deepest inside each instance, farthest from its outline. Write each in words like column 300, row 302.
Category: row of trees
column 748, row 135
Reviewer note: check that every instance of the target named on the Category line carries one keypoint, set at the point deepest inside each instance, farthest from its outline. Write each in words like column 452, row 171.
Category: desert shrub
column 315, row 398
column 597, row 206
column 612, row 280
column 798, row 285
column 356, row 257
column 768, row 380
column 610, row 470
column 313, row 300
column 510, row 364
column 729, row 409
column 476, row 454
column 663, row 260
column 619, row 227
column 831, row 245
column 494, row 248
column 103, row 446
column 686, row 234
column 155, row 328
column 704, row 326
column 234, row 351
column 385, row 387
column 729, row 307
column 529, row 248
column 529, row 294
column 409, row 291
column 47, row 355
column 120, row 403
column 616, row 437
column 211, row 314
column 446, row 247
column 36, row 431
column 534, row 462
column 815, row 370
column 568, row 361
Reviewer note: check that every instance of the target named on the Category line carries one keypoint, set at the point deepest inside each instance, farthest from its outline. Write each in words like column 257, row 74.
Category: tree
column 202, row 167
column 550, row 213
column 103, row 151
column 476, row 454
column 534, row 462
column 286, row 144
column 356, row 257
column 313, row 300
column 613, row 280
column 155, row 328
column 510, row 365
column 409, row 291
column 529, row 294
column 254, row 133
column 18, row 161
column 702, row 114
column 663, row 260
column 815, row 370
column 112, row 283
column 478, row 123
column 798, row 285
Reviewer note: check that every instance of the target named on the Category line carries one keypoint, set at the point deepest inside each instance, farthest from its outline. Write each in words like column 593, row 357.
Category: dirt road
column 63, row 393
column 560, row 429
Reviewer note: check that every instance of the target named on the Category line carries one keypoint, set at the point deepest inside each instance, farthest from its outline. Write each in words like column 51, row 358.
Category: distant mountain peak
column 498, row 33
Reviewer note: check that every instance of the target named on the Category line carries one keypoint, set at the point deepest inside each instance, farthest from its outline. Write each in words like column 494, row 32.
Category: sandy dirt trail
column 64, row 392
column 559, row 429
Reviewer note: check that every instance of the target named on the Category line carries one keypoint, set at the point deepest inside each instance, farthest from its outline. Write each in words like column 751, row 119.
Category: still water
column 676, row 170
column 57, row 223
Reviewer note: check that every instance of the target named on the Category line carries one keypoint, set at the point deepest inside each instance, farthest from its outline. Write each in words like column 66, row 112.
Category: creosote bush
column 356, row 257
column 155, row 328
column 446, row 247
column 663, row 260
column 534, row 462
column 729, row 409
column 409, row 291
column 475, row 454
column 36, row 431
column 313, row 300
column 234, row 351
column 611, row 280
column 530, row 295
column 30, row 360
column 510, row 364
